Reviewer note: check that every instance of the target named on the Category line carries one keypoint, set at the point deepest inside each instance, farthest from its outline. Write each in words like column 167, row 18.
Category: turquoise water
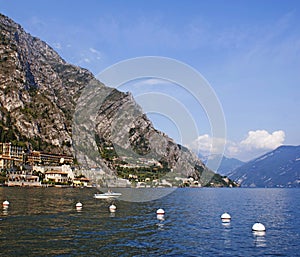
column 45, row 222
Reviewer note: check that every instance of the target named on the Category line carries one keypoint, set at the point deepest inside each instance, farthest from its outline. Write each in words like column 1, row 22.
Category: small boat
column 107, row 195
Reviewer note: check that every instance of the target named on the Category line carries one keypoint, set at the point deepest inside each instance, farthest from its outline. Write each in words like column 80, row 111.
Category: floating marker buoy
column 160, row 212
column 258, row 227
column 5, row 203
column 112, row 208
column 225, row 217
column 79, row 205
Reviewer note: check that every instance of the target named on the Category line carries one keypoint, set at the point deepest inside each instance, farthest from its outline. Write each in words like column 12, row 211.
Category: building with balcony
column 56, row 176
column 10, row 155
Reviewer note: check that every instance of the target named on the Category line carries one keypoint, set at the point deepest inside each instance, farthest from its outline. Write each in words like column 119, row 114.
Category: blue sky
column 248, row 51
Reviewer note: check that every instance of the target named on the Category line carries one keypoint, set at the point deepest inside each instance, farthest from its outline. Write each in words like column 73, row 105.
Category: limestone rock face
column 57, row 107
column 38, row 90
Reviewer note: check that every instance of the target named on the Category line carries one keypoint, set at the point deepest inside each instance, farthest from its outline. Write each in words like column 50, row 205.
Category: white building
column 56, row 176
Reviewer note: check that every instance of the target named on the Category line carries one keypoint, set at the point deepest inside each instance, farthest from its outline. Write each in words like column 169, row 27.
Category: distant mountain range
column 227, row 165
column 278, row 168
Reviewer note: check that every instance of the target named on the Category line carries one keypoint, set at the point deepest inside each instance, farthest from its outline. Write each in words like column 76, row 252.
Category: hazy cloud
column 206, row 145
column 96, row 53
column 256, row 143
column 57, row 45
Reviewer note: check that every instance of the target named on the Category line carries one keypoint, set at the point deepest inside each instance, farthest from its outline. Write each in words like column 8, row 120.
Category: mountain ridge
column 227, row 165
column 277, row 168
column 40, row 105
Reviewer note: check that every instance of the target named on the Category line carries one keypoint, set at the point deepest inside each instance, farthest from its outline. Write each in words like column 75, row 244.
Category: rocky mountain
column 50, row 105
column 38, row 91
column 227, row 165
column 278, row 168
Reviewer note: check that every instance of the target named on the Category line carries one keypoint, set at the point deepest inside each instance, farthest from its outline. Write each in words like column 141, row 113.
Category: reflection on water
column 226, row 234
column 5, row 210
column 161, row 221
column 160, row 217
column 259, row 233
column 226, row 224
column 141, row 194
column 45, row 220
column 259, row 238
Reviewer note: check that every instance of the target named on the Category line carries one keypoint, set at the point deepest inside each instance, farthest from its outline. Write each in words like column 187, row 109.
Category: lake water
column 45, row 222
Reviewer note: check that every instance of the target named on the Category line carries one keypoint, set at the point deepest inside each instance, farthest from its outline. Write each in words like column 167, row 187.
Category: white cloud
column 97, row 54
column 262, row 139
column 94, row 51
column 149, row 85
column 256, row 143
column 89, row 57
column 155, row 82
column 206, row 145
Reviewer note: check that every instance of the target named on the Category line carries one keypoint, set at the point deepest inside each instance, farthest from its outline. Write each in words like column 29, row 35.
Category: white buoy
column 160, row 212
column 79, row 206
column 225, row 217
column 112, row 208
column 5, row 203
column 258, row 227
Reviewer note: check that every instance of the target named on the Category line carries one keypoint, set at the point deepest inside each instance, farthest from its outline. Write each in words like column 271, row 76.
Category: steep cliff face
column 38, row 90
column 43, row 104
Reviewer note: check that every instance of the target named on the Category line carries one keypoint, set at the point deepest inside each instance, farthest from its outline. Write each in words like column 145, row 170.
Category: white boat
column 107, row 195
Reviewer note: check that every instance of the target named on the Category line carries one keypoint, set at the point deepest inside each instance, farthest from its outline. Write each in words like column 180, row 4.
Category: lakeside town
column 31, row 168
column 34, row 168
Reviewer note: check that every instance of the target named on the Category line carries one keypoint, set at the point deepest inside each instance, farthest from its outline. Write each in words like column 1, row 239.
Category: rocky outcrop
column 54, row 106
column 38, row 90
